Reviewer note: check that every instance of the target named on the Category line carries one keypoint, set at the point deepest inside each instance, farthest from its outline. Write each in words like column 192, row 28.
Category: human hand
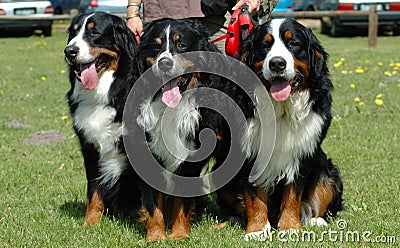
column 135, row 24
column 254, row 5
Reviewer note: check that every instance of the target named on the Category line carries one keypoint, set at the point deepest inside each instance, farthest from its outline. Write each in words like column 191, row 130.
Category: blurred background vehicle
column 37, row 8
column 307, row 5
column 116, row 7
column 283, row 6
column 66, row 7
column 388, row 19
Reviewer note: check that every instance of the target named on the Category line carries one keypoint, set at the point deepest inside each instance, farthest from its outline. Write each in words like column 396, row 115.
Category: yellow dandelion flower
column 379, row 96
column 43, row 78
column 342, row 59
column 366, row 61
column 39, row 110
column 361, row 103
column 338, row 64
column 353, row 86
column 344, row 72
column 357, row 99
column 62, row 71
column 394, row 73
column 359, row 70
column 388, row 73
column 64, row 117
column 397, row 64
column 42, row 36
column 392, row 64
column 378, row 102
column 380, row 63
column 396, row 68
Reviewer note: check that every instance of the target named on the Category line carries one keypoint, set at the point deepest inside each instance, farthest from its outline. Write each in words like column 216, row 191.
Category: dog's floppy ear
column 124, row 37
column 246, row 48
column 318, row 56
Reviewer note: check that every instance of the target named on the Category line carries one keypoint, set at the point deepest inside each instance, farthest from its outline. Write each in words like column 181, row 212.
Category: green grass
column 42, row 188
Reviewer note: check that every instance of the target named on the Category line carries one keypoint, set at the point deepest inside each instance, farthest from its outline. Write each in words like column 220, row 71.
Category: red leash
column 239, row 27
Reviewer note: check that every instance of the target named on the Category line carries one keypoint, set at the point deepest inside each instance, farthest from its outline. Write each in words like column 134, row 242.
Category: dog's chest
column 172, row 130
column 95, row 119
column 297, row 130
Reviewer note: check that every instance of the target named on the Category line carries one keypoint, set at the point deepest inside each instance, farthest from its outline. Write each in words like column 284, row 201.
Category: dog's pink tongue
column 280, row 91
column 89, row 76
column 171, row 94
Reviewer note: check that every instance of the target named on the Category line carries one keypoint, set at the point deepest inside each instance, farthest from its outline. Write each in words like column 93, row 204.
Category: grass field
column 43, row 188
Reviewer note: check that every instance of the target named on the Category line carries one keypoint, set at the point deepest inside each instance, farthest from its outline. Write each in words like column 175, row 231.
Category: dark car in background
column 67, row 7
column 388, row 17
column 25, row 8
column 116, row 7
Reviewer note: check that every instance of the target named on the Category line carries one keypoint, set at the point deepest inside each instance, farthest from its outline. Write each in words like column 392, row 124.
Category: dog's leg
column 95, row 208
column 152, row 215
column 256, row 210
column 290, row 208
column 181, row 215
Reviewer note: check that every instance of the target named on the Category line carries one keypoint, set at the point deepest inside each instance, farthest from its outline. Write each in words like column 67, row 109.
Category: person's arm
column 133, row 18
column 254, row 5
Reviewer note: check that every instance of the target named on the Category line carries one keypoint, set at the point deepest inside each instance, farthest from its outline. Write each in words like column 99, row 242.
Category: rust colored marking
column 219, row 137
column 99, row 50
column 180, row 221
column 151, row 61
column 302, row 67
column 243, row 57
column 183, row 63
column 268, row 38
column 290, row 209
column 158, row 41
column 176, row 37
column 94, row 209
column 193, row 81
column 154, row 223
column 322, row 194
column 221, row 225
column 90, row 25
column 288, row 35
column 257, row 67
column 256, row 209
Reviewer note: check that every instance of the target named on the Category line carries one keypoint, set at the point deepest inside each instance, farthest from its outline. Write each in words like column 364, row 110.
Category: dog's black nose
column 277, row 64
column 71, row 51
column 165, row 64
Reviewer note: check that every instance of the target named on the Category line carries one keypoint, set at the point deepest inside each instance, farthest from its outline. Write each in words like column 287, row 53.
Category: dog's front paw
column 259, row 235
column 316, row 222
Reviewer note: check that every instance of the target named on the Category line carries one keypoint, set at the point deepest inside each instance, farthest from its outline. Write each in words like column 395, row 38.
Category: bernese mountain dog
column 302, row 185
column 102, row 70
column 161, row 50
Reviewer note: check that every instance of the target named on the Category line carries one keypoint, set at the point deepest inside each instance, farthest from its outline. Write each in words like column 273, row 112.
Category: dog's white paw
column 260, row 235
column 316, row 222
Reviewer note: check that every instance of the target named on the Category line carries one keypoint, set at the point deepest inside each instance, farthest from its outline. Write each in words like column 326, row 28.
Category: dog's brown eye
column 181, row 46
column 292, row 43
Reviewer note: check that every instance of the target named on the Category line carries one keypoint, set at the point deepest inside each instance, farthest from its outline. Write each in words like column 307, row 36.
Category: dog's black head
column 287, row 57
column 164, row 38
column 98, row 43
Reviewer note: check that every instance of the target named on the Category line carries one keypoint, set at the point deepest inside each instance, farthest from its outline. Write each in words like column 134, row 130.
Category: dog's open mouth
column 88, row 73
column 282, row 87
column 171, row 94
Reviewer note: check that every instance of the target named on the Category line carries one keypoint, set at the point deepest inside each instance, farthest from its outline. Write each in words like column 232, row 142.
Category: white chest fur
column 96, row 120
column 297, row 132
column 171, row 130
